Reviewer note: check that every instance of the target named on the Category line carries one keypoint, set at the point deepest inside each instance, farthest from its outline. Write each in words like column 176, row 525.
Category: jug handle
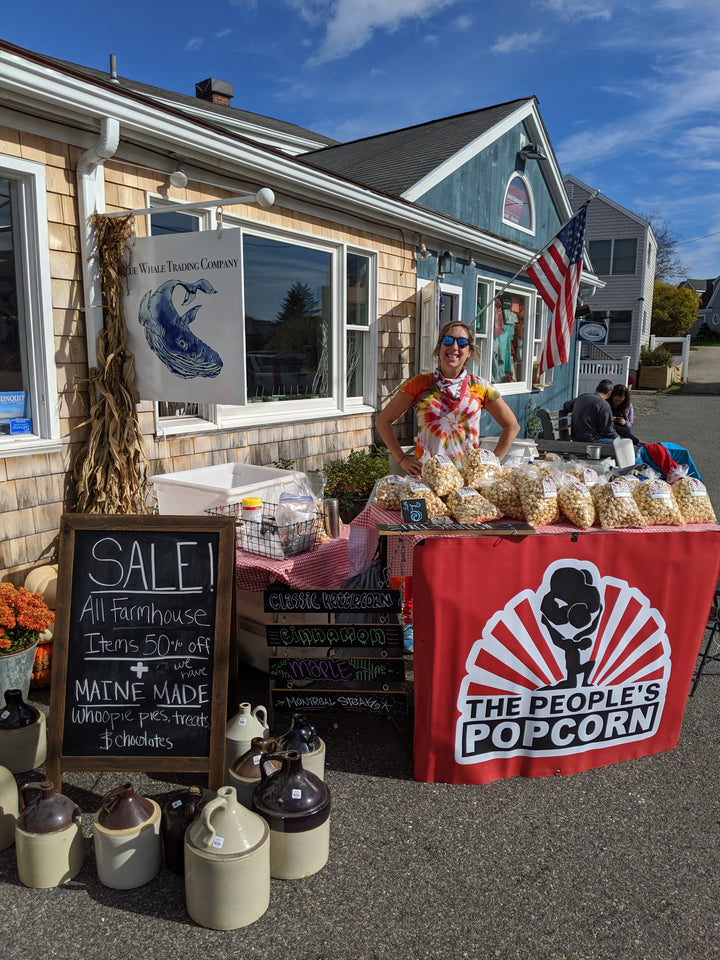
column 31, row 787
column 260, row 712
column 209, row 830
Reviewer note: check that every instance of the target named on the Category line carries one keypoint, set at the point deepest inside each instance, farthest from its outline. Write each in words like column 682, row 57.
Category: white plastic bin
column 205, row 488
column 526, row 449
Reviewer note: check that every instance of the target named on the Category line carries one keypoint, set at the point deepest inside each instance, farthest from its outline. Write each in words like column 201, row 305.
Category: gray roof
column 215, row 113
column 393, row 162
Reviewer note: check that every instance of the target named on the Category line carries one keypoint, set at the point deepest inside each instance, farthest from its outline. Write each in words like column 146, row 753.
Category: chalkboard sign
column 373, row 682
column 142, row 637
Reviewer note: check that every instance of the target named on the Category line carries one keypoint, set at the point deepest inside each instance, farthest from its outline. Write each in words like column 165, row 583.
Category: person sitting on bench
column 592, row 420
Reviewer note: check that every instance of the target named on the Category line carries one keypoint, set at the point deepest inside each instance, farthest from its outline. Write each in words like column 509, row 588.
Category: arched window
column 518, row 205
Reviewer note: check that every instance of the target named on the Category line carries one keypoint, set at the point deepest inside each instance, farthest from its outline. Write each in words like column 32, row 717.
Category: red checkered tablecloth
column 325, row 567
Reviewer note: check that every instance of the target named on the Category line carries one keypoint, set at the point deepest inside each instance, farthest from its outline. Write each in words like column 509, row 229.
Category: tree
column 668, row 265
column 675, row 310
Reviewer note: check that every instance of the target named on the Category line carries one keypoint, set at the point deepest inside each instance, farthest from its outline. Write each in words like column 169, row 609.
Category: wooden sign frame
column 221, row 528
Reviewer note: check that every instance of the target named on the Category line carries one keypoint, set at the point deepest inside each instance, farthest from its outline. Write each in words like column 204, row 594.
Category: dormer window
column 518, row 206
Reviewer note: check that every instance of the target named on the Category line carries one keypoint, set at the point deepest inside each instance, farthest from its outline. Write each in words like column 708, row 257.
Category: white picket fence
column 589, row 373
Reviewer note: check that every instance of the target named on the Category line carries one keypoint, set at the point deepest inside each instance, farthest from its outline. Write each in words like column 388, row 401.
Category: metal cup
column 331, row 511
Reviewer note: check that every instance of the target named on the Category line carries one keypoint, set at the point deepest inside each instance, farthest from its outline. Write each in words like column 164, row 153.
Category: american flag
column 556, row 274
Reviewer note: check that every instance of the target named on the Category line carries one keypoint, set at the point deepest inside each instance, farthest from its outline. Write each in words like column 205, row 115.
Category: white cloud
column 349, row 24
column 223, row 33
column 462, row 23
column 580, row 9
column 514, row 42
column 194, row 43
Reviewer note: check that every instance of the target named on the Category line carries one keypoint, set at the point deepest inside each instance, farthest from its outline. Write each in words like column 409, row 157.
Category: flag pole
column 532, row 260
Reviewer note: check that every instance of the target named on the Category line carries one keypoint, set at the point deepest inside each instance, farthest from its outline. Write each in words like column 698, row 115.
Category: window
column 357, row 318
column 545, row 379
column 288, row 319
column 619, row 324
column 28, row 405
column 517, row 206
column 613, row 257
column 504, row 340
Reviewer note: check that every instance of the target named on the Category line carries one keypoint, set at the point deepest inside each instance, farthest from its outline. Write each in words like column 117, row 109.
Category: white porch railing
column 591, row 372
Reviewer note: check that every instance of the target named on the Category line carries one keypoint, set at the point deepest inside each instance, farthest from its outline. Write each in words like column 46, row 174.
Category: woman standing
column 448, row 404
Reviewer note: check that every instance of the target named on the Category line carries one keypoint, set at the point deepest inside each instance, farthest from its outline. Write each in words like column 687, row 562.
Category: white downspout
column 91, row 199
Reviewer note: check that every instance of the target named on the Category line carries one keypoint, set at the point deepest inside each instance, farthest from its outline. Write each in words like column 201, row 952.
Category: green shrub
column 353, row 478
column 659, row 357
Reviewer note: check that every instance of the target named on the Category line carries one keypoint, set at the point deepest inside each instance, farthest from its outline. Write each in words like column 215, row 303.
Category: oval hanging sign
column 592, row 331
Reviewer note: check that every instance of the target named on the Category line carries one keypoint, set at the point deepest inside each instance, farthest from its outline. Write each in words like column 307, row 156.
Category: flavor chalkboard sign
column 142, row 637
column 336, row 666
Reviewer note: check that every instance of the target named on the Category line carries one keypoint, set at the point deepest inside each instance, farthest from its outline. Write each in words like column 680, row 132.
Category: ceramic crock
column 23, row 734
column 245, row 774
column 177, row 815
column 126, row 835
column 9, row 808
column 227, row 864
column 296, row 805
column 302, row 736
column 240, row 730
column 48, row 837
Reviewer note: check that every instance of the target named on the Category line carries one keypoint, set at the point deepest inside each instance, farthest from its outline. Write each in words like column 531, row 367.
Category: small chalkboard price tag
column 414, row 511
column 141, row 650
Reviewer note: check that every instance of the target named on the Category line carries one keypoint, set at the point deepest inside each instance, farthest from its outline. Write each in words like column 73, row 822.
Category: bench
column 555, row 436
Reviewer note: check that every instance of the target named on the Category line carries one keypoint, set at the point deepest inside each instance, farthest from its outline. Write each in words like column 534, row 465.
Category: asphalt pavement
column 618, row 863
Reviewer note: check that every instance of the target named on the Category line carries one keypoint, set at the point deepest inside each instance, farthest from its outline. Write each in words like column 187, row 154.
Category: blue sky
column 629, row 89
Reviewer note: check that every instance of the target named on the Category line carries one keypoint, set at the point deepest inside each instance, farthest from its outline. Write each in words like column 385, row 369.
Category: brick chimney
column 216, row 91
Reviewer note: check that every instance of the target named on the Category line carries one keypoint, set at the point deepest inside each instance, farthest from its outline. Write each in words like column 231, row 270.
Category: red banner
column 555, row 653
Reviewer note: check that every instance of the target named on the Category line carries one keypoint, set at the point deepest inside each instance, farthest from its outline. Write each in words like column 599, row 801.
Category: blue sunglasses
column 461, row 341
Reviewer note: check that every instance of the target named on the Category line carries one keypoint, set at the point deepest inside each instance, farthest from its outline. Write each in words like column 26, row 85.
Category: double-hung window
column 505, row 334
column 613, row 257
column 29, row 419
column 306, row 308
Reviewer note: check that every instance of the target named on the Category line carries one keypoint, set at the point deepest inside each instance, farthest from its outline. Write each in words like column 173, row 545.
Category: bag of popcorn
column 417, row 490
column 389, row 492
column 504, row 494
column 441, row 475
column 478, row 465
column 466, row 505
column 692, row 498
column 538, row 496
column 657, row 504
column 575, row 502
column 615, row 505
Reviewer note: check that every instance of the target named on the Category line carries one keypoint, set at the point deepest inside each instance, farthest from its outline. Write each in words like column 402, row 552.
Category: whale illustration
column 168, row 333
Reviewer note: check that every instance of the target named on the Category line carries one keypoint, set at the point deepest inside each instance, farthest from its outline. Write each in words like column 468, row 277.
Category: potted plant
column 24, row 617
column 351, row 480
column 655, row 368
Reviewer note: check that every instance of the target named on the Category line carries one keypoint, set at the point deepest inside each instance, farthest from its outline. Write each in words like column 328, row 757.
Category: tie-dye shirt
column 447, row 426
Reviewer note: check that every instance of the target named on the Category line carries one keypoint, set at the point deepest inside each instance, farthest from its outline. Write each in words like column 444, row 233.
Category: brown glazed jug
column 302, row 736
column 126, row 835
column 177, row 815
column 48, row 836
column 23, row 736
column 245, row 773
column 296, row 805
column 247, row 723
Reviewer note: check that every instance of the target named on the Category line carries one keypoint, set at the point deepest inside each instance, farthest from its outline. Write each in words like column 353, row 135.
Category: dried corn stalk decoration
column 110, row 472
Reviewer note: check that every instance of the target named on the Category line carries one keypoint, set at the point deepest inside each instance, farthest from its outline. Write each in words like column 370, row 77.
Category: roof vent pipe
column 113, row 69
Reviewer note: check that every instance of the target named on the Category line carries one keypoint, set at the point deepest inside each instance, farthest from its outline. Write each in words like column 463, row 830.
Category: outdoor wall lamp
column 446, row 263
column 531, row 151
column 582, row 310
column 423, row 252
column 178, row 178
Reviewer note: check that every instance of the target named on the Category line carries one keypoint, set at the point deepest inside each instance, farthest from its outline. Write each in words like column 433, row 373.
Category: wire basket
column 269, row 539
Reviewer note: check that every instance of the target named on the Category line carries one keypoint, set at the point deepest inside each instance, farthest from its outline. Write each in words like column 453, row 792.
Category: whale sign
column 183, row 312
column 554, row 654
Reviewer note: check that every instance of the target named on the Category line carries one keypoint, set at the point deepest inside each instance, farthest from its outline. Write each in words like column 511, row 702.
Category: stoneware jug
column 48, row 837
column 227, row 864
column 245, row 774
column 23, row 736
column 246, row 724
column 177, row 815
column 126, row 835
column 302, row 736
column 296, row 805
column 9, row 808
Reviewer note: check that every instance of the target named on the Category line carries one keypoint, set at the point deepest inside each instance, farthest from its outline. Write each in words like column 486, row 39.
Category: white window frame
column 529, row 295
column 429, row 314
column 531, row 203
column 230, row 416
column 36, row 291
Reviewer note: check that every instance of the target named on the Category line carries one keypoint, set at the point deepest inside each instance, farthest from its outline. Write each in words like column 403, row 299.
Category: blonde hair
column 445, row 330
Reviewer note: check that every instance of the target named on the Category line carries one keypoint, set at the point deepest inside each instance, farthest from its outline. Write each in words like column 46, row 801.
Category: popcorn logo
column 583, row 662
